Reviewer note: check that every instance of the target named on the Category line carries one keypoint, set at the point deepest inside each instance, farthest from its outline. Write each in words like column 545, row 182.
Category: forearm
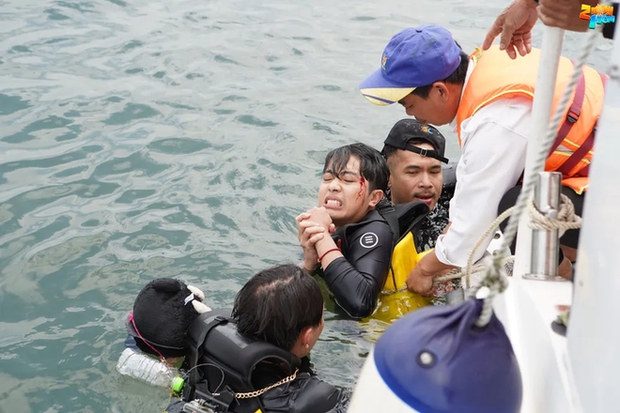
column 356, row 275
column 432, row 265
column 315, row 240
column 565, row 14
column 309, row 263
column 327, row 251
column 420, row 279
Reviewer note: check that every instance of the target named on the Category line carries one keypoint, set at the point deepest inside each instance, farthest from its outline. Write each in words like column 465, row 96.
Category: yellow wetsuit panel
column 395, row 300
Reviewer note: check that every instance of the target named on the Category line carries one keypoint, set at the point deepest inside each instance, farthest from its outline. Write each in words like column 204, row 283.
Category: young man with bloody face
column 345, row 236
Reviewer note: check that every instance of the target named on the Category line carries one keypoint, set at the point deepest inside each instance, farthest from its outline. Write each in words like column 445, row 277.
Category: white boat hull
column 527, row 308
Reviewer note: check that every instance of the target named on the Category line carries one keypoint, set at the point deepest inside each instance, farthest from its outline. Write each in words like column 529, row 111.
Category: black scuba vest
column 401, row 218
column 220, row 363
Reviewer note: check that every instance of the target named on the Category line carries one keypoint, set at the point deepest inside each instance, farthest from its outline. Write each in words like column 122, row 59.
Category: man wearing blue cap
column 487, row 98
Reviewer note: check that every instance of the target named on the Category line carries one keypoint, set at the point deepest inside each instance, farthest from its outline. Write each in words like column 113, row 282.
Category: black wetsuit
column 306, row 394
column 356, row 279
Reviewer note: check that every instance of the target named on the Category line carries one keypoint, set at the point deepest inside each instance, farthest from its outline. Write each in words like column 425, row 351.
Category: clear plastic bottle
column 135, row 364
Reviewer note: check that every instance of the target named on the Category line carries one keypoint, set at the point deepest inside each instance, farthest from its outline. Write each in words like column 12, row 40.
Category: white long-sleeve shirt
column 494, row 146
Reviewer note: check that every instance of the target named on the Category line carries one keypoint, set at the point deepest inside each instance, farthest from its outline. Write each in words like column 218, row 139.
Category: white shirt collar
column 470, row 69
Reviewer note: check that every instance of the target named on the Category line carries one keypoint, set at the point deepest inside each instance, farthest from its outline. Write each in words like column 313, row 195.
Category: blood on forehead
column 362, row 188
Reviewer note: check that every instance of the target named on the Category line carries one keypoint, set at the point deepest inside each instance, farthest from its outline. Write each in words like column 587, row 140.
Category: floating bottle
column 139, row 366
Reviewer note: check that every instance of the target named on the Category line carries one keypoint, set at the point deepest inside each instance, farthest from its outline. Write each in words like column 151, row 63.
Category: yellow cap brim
column 386, row 96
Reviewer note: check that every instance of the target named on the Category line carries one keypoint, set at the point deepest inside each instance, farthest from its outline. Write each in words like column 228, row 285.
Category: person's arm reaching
column 515, row 22
column 493, row 157
column 515, row 25
column 491, row 168
column 564, row 14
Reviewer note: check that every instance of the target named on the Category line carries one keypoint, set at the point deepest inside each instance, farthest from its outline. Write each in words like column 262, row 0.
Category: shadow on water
column 156, row 139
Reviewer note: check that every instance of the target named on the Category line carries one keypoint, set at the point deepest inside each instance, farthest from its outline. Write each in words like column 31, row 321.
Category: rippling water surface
column 143, row 139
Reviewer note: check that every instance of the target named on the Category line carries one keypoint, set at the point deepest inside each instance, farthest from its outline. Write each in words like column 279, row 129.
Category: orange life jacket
column 496, row 76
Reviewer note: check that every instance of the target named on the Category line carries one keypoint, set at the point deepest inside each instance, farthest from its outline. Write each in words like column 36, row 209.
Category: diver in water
column 356, row 261
column 255, row 358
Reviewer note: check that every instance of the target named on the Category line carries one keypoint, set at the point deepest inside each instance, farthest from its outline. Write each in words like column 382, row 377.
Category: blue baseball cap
column 414, row 57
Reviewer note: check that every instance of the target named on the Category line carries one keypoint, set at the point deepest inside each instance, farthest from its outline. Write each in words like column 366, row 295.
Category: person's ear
column 375, row 197
column 442, row 90
column 305, row 337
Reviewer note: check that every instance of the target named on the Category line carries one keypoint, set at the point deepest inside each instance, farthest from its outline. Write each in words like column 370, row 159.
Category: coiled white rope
column 567, row 219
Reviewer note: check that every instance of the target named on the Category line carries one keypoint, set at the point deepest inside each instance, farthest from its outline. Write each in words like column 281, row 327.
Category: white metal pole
column 541, row 115
column 546, row 243
column 551, row 50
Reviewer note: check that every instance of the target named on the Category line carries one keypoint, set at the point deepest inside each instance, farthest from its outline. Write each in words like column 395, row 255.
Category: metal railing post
column 546, row 244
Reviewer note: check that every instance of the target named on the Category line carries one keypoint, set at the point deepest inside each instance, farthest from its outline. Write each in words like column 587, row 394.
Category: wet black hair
column 277, row 304
column 373, row 166
column 456, row 78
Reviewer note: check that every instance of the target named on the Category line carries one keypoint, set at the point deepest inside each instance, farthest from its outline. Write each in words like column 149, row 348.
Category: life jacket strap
column 386, row 209
column 196, row 353
column 573, row 113
column 585, row 147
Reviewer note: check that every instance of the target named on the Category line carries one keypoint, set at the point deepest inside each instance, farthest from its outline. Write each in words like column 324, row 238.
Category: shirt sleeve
column 492, row 160
column 356, row 281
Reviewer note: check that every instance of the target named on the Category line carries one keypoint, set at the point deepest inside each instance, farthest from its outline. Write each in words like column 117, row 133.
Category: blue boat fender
column 436, row 360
